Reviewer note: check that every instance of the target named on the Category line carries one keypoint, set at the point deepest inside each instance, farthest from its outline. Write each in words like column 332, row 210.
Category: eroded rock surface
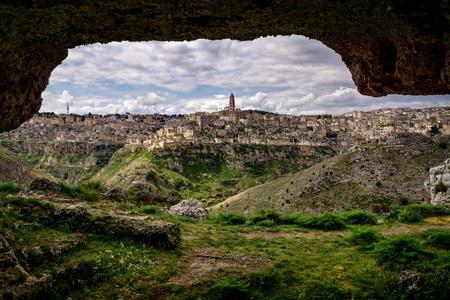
column 15, row 282
column 44, row 185
column 439, row 184
column 389, row 46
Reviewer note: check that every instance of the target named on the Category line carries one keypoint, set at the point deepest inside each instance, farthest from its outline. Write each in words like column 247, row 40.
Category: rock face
column 45, row 185
column 439, row 184
column 37, row 34
column 15, row 282
column 190, row 208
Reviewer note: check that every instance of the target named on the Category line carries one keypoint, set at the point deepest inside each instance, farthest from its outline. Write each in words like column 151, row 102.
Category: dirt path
column 208, row 263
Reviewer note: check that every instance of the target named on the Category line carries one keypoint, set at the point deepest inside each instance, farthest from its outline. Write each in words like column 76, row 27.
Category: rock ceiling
column 389, row 46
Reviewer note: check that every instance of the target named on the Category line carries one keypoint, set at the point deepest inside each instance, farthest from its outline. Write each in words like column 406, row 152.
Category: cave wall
column 394, row 46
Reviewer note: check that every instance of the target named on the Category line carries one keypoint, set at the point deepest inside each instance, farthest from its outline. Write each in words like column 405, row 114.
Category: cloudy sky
column 291, row 75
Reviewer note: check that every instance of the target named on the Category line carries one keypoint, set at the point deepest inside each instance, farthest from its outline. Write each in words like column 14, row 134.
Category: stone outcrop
column 439, row 184
column 81, row 217
column 15, row 282
column 155, row 233
column 44, row 185
column 389, row 46
column 190, row 208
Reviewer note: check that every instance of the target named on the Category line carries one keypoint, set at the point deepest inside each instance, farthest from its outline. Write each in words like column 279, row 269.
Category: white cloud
column 284, row 74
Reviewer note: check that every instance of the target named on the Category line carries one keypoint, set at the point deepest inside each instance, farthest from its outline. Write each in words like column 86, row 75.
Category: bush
column 440, row 187
column 439, row 238
column 410, row 217
column 150, row 209
column 230, row 288
column 9, row 188
column 400, row 253
column 292, row 218
column 360, row 217
column 416, row 212
column 230, row 219
column 266, row 223
column 330, row 221
column 89, row 192
column 364, row 237
column 327, row 221
column 262, row 215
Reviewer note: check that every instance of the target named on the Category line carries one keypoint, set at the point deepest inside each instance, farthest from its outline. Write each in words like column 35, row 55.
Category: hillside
column 17, row 169
column 209, row 173
column 367, row 174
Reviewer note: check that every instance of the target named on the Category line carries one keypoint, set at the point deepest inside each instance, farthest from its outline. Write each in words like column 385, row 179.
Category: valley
column 106, row 220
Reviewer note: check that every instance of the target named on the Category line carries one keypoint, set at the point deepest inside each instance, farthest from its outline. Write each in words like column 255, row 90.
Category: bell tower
column 232, row 103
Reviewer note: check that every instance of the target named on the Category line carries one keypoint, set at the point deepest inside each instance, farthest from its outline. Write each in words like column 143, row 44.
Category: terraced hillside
column 367, row 175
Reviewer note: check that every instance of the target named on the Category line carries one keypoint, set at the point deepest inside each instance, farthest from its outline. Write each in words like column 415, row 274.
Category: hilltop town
column 233, row 125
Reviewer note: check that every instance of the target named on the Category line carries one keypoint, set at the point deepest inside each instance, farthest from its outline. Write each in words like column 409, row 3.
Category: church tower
column 232, row 104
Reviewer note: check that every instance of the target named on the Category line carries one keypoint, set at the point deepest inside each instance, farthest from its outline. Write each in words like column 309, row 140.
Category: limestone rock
column 113, row 194
column 15, row 282
column 90, row 161
column 45, row 185
column 140, row 186
column 190, row 208
column 175, row 165
column 439, row 184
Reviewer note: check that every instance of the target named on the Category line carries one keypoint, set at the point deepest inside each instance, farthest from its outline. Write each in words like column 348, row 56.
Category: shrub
column 72, row 191
column 150, row 209
column 429, row 210
column 9, row 188
column 266, row 223
column 440, row 187
column 262, row 215
column 360, row 217
column 230, row 288
column 364, row 237
column 89, row 192
column 439, row 238
column 230, row 219
column 410, row 217
column 327, row 221
column 330, row 221
column 392, row 215
column 292, row 218
column 400, row 253
column 443, row 145
column 416, row 212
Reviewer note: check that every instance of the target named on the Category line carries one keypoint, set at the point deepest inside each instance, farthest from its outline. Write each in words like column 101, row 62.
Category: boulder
column 45, row 185
column 439, row 184
column 140, row 186
column 115, row 194
column 190, row 208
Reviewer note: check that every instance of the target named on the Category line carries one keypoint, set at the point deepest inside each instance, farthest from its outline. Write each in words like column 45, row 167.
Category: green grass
column 89, row 192
column 298, row 263
column 10, row 188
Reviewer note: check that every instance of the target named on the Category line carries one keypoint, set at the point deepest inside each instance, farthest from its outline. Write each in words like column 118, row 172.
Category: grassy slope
column 17, row 169
column 298, row 263
column 209, row 173
column 370, row 174
column 125, row 167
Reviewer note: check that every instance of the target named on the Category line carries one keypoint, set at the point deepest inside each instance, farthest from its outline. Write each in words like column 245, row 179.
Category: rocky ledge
column 439, row 184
